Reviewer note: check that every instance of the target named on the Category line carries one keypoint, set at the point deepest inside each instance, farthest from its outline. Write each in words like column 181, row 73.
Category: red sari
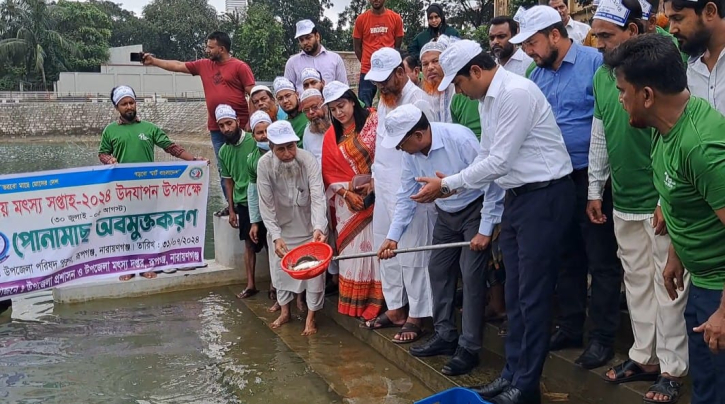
column 361, row 293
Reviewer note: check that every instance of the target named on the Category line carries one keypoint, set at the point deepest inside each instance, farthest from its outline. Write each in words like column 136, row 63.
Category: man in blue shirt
column 432, row 147
column 565, row 73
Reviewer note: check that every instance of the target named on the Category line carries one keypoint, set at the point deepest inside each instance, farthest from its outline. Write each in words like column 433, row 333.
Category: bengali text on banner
column 90, row 222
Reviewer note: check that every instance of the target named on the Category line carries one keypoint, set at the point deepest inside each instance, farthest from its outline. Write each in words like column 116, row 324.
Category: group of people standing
column 557, row 162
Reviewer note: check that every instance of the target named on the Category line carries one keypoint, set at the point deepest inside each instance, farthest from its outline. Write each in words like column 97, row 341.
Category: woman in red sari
column 348, row 150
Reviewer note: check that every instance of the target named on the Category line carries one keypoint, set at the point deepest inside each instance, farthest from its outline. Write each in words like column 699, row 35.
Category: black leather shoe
column 433, row 347
column 491, row 390
column 561, row 340
column 596, row 355
column 515, row 396
column 461, row 363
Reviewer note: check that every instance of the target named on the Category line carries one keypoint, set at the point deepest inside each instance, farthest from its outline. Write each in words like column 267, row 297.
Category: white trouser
column 315, row 300
column 403, row 285
column 658, row 324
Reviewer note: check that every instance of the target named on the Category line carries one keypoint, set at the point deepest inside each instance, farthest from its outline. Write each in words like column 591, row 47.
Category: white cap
column 612, row 11
column 646, row 9
column 258, row 117
column 334, row 90
column 304, row 27
column 281, row 132
column 383, row 62
column 309, row 93
column 310, row 73
column 281, row 84
column 454, row 58
column 259, row 88
column 439, row 45
column 534, row 20
column 122, row 92
column 223, row 111
column 398, row 123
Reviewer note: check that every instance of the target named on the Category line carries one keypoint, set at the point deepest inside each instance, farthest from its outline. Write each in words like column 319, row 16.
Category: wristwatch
column 445, row 190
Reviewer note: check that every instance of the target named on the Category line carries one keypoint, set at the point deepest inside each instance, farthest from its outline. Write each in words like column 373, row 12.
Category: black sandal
column 408, row 328
column 379, row 322
column 636, row 373
column 667, row 387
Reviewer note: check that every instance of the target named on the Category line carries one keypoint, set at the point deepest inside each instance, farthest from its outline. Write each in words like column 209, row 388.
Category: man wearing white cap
column 465, row 216
column 329, row 64
column 131, row 140
column 576, row 30
column 263, row 99
column 396, row 89
column 293, row 206
column 312, row 78
column 523, row 152
column 624, row 153
column 440, row 101
column 233, row 157
column 565, row 73
column 289, row 101
column 511, row 57
column 317, row 114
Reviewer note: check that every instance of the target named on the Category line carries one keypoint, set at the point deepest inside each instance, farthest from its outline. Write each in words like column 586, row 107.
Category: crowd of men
column 576, row 160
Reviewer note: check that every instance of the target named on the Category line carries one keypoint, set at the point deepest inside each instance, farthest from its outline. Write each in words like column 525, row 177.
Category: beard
column 129, row 115
column 292, row 111
column 390, row 100
column 504, row 52
column 320, row 125
column 312, row 50
column 289, row 169
column 637, row 123
column 548, row 62
column 272, row 112
column 431, row 87
column 697, row 44
column 233, row 138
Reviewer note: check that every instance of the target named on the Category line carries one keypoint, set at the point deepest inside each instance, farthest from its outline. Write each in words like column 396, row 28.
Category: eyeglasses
column 402, row 142
column 313, row 108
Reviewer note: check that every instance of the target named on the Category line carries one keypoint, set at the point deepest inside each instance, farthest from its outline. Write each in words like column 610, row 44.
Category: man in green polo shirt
column 131, row 140
column 233, row 154
column 659, row 352
column 688, row 159
column 289, row 101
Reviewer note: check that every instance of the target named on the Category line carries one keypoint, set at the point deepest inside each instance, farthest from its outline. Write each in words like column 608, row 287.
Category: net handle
column 405, row 250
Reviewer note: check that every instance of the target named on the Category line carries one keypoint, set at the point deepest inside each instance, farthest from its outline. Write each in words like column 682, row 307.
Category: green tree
column 30, row 35
column 88, row 27
column 263, row 45
column 515, row 4
column 128, row 29
column 183, row 26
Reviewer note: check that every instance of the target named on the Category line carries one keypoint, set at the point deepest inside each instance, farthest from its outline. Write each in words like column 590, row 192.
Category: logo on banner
column 4, row 247
column 195, row 173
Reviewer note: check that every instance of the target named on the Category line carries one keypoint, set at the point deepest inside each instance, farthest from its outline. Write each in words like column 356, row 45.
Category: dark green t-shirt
column 233, row 164
column 464, row 111
column 689, row 173
column 133, row 142
column 299, row 123
column 252, row 162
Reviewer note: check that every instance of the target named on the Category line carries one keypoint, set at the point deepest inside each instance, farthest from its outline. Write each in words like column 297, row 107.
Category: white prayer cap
column 259, row 88
column 304, row 27
column 281, row 84
column 398, row 123
column 281, row 132
column 258, row 117
column 646, row 9
column 223, row 111
column 534, row 20
column 122, row 92
column 435, row 46
column 310, row 73
column 383, row 62
column 334, row 90
column 613, row 11
column 595, row 3
column 309, row 93
column 455, row 57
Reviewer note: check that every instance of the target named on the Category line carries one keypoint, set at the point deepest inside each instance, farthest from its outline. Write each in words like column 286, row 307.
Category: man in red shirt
column 226, row 80
column 374, row 29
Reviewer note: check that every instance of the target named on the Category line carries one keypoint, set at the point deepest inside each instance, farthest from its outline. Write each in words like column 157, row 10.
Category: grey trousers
column 443, row 270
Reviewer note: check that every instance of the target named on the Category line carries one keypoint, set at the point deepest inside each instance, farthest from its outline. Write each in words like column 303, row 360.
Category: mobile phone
column 136, row 56
column 369, row 200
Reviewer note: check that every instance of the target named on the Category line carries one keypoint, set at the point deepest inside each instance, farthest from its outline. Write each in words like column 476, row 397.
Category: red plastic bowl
column 321, row 251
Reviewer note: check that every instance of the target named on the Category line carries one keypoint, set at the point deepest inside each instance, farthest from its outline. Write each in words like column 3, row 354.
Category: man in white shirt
column 700, row 33
column 432, row 147
column 508, row 55
column 577, row 30
column 314, row 55
column 319, row 121
column 523, row 152
column 388, row 75
column 440, row 101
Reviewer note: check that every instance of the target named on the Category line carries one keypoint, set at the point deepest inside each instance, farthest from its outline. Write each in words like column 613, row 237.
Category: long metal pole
column 405, row 250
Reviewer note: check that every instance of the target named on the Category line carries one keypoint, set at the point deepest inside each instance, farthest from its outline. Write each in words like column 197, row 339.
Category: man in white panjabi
column 293, row 207
column 405, row 279
column 440, row 101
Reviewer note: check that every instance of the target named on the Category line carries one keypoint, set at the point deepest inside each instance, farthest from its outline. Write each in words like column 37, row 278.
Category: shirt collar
column 570, row 23
column 518, row 55
column 436, row 141
column 498, row 79
column 241, row 138
column 123, row 122
column 570, row 56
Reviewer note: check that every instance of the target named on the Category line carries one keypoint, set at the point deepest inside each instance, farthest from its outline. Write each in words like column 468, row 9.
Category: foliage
column 129, row 29
column 182, row 27
column 263, row 45
column 515, row 4
column 89, row 28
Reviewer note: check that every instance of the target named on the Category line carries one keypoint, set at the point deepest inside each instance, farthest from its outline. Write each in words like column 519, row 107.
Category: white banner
column 64, row 225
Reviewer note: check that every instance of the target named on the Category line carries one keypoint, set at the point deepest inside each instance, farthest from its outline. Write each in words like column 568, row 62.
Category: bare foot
column 275, row 307
column 301, row 305
column 310, row 328
column 126, row 277
column 149, row 275
column 282, row 319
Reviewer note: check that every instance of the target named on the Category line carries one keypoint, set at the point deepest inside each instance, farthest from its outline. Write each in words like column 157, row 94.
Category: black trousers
column 590, row 248
column 532, row 229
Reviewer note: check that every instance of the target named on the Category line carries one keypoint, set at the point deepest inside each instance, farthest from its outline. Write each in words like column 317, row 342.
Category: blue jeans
column 217, row 140
column 366, row 91
column 707, row 370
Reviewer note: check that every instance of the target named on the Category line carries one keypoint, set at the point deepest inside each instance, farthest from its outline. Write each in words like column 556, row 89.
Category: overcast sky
column 137, row 6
